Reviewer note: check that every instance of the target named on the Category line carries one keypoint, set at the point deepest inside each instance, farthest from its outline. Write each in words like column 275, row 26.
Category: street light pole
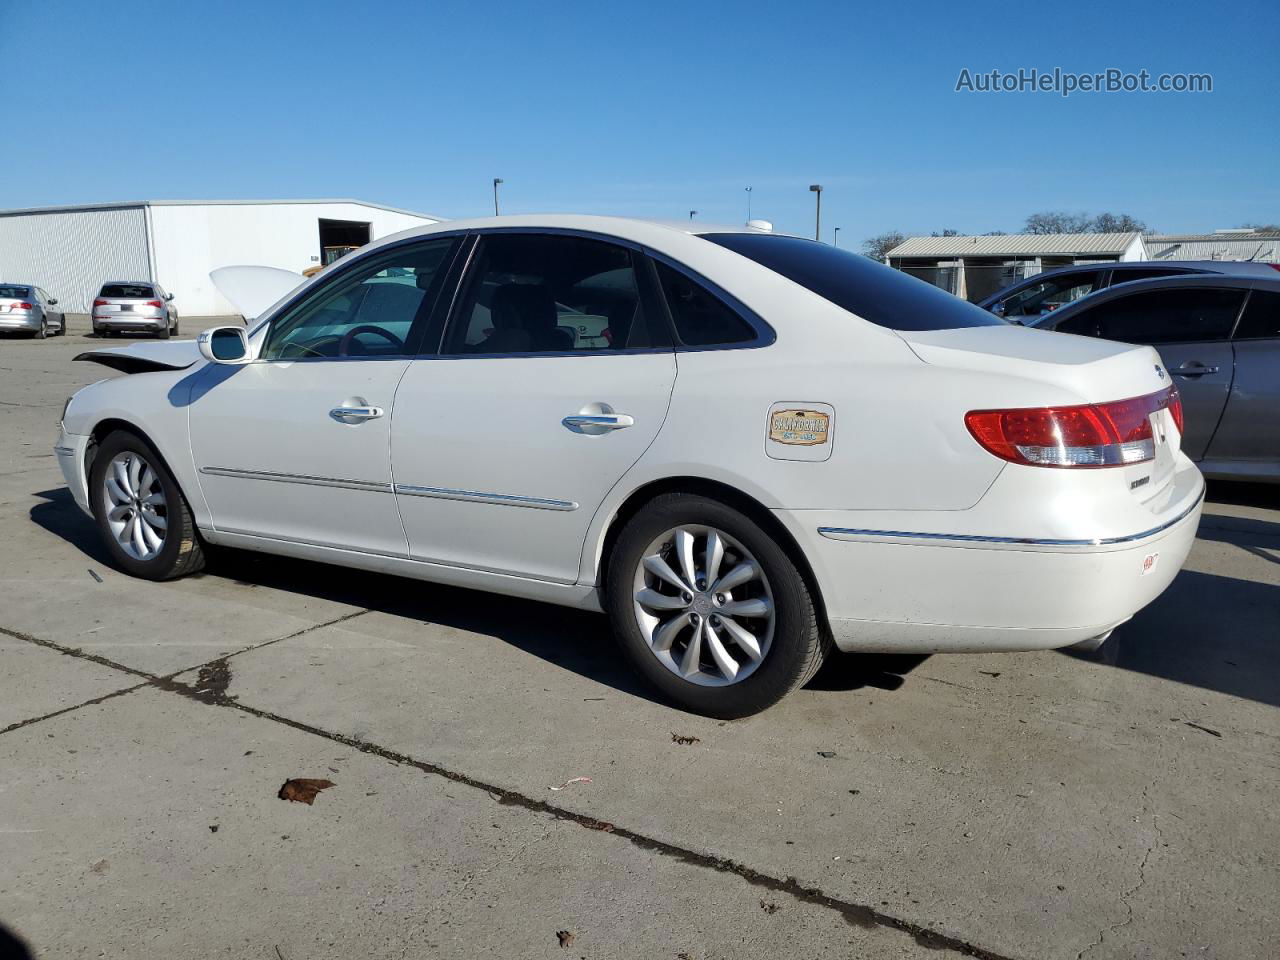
column 816, row 188
column 692, row 214
column 835, row 238
column 748, row 204
column 496, row 181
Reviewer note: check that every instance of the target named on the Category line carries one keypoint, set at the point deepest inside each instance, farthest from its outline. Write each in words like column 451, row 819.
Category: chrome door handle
column 601, row 421
column 356, row 413
column 1194, row 369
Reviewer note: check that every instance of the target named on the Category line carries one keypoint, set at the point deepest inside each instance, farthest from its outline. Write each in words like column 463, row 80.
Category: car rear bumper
column 70, row 451
column 20, row 322
column 916, row 591
column 116, row 322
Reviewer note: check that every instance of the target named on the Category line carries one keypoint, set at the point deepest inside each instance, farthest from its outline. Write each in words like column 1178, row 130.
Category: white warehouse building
column 71, row 251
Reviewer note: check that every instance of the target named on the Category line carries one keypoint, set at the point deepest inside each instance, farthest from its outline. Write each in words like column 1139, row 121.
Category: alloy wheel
column 137, row 513
column 703, row 605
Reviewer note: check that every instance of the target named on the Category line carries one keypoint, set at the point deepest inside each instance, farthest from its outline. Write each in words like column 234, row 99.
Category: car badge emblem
column 1160, row 371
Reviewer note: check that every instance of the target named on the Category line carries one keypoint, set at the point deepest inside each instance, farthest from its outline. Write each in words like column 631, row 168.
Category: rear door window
column 1180, row 315
column 1261, row 318
column 701, row 318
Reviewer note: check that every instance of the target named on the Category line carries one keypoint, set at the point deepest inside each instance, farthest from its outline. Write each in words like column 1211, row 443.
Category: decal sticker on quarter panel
column 800, row 431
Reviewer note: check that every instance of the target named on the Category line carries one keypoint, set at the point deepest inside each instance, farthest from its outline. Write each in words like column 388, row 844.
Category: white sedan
column 745, row 447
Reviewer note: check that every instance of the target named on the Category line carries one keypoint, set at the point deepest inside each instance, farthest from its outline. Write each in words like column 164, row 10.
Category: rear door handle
column 355, row 413
column 1194, row 368
column 600, row 421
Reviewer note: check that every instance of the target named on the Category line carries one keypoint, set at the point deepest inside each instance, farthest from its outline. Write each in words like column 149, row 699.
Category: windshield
column 128, row 291
column 873, row 291
column 15, row 292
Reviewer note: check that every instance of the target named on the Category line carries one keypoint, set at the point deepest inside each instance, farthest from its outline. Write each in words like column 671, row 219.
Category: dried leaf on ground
column 303, row 790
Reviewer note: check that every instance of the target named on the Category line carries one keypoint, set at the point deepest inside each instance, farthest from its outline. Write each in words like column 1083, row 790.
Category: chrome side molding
column 369, row 486
column 970, row 539
column 473, row 496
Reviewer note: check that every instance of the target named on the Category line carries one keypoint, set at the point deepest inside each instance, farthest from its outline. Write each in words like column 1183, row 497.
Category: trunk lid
column 1075, row 370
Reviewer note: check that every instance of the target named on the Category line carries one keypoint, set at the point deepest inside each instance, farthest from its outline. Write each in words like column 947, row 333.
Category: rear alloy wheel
column 164, row 332
column 142, row 515
column 710, row 609
column 44, row 329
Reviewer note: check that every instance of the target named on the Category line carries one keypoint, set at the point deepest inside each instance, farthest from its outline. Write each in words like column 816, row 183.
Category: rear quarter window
column 875, row 292
column 16, row 293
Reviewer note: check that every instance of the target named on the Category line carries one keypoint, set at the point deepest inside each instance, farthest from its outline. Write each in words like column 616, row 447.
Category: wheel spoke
column 758, row 607
column 156, row 499
column 728, row 666
column 119, row 512
column 662, row 570
column 666, row 634
column 116, row 492
column 653, row 600
column 148, row 479
column 155, row 520
column 745, row 639
column 684, row 550
column 135, row 475
column 742, row 573
column 715, row 553
column 150, row 537
column 121, row 476
column 689, row 663
column 135, row 534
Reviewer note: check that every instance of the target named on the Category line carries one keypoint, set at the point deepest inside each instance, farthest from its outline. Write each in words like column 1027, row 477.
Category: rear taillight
column 1090, row 435
column 1274, row 266
column 99, row 302
column 154, row 303
column 21, row 306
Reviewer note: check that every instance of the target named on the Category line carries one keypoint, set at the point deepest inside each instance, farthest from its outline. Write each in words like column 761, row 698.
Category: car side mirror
column 52, row 301
column 224, row 345
column 998, row 309
column 168, row 296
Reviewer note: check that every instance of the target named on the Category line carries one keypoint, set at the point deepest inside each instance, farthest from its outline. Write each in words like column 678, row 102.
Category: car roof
column 628, row 228
column 125, row 283
column 1248, row 268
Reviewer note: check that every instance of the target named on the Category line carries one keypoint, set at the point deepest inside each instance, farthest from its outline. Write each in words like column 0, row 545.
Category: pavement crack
column 88, row 703
column 1126, row 898
column 77, row 652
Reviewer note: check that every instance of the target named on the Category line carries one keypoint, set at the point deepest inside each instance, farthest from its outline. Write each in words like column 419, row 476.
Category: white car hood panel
column 252, row 289
column 146, row 357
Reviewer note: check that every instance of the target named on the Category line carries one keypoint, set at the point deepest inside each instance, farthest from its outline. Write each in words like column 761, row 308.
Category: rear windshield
column 875, row 292
column 127, row 290
column 15, row 292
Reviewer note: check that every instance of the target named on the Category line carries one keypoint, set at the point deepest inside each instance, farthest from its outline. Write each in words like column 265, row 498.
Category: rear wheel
column 710, row 609
column 142, row 515
column 44, row 329
column 164, row 332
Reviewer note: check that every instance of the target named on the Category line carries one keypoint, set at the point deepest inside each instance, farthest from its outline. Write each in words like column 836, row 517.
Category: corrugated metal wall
column 70, row 254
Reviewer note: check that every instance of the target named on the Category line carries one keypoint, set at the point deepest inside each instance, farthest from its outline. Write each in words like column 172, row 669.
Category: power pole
column 496, row 181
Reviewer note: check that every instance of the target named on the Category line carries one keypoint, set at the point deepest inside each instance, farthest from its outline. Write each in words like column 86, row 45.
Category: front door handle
column 354, row 414
column 598, row 422
column 1194, row 368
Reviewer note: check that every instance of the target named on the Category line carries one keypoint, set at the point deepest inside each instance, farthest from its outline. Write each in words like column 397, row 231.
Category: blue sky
column 648, row 109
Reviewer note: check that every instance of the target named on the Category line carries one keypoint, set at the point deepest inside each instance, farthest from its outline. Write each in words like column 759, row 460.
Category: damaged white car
column 745, row 447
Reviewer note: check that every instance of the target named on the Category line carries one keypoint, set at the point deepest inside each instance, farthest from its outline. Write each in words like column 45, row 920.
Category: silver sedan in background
column 139, row 306
column 1219, row 336
column 26, row 308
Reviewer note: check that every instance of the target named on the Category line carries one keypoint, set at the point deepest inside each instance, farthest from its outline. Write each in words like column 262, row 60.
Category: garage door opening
column 340, row 237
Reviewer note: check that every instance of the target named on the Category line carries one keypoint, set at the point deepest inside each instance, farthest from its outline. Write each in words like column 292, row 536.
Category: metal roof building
column 1252, row 245
column 70, row 251
column 973, row 267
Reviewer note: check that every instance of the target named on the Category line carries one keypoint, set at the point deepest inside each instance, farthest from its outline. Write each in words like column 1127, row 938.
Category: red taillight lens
column 1175, row 408
column 22, row 306
column 99, row 302
column 155, row 303
column 1090, row 435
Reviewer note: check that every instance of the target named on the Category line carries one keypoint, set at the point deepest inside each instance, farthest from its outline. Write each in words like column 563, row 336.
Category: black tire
column 181, row 553
column 800, row 642
column 43, row 332
column 62, row 328
column 164, row 333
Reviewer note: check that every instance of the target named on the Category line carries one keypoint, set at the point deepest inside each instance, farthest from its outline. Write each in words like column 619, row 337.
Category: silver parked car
column 1027, row 300
column 135, row 305
column 1220, row 339
column 26, row 308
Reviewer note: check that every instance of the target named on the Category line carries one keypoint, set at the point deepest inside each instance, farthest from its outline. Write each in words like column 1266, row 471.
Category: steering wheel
column 348, row 338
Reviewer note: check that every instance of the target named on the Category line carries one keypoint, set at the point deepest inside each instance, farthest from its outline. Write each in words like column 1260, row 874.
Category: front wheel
column 142, row 515
column 710, row 609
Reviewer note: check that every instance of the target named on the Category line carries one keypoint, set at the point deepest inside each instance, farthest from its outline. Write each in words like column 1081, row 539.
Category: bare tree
column 1119, row 223
column 946, row 233
column 1058, row 222
column 1261, row 227
column 877, row 247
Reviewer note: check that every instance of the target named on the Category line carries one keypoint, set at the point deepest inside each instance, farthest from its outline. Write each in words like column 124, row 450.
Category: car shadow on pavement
column 1206, row 630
